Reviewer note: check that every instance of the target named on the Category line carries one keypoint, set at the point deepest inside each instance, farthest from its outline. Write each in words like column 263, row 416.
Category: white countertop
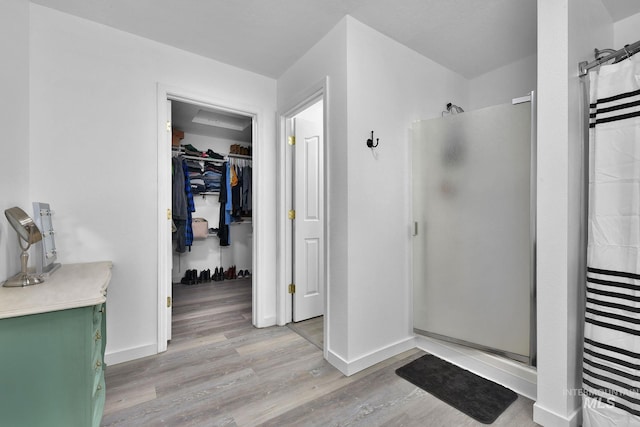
column 71, row 286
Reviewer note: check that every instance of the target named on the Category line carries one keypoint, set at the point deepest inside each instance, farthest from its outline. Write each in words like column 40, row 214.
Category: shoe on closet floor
column 205, row 276
column 190, row 277
column 187, row 277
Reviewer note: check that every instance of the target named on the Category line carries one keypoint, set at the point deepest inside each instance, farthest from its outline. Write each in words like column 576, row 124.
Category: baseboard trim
column 127, row 355
column 513, row 375
column 546, row 417
column 349, row 368
column 337, row 362
column 266, row 322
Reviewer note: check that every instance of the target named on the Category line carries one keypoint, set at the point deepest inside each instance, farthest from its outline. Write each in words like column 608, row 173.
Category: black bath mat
column 477, row 397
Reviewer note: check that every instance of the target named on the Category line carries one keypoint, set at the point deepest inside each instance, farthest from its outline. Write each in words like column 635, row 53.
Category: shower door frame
column 531, row 359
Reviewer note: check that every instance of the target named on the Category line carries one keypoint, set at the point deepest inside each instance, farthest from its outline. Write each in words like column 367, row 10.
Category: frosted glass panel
column 471, row 202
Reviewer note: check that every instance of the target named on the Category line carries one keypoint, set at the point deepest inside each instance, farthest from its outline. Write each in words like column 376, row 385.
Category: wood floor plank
column 128, row 397
column 312, row 330
column 219, row 370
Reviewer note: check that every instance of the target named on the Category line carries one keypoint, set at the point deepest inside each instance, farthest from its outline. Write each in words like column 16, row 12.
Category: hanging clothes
column 611, row 359
column 182, row 204
column 179, row 197
column 246, row 190
column 191, row 207
column 179, row 204
column 236, row 192
column 225, row 206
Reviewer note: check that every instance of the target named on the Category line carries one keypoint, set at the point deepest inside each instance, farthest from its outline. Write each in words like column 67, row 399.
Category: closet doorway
column 303, row 204
column 214, row 145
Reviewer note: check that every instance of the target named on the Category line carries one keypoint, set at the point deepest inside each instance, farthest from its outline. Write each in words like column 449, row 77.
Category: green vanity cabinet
column 52, row 363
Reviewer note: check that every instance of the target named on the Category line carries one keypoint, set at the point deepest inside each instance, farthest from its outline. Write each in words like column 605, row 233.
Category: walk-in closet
column 212, row 196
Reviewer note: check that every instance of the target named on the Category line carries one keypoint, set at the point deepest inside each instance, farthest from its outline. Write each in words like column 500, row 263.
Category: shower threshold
column 527, row 360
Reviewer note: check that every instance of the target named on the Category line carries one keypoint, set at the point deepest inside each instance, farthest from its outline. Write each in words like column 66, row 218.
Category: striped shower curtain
column 611, row 362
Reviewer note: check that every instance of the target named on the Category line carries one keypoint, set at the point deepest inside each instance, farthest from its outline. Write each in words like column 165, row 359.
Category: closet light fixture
column 29, row 232
column 209, row 118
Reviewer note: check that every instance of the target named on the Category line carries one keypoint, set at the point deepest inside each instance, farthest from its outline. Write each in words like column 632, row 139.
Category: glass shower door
column 472, row 254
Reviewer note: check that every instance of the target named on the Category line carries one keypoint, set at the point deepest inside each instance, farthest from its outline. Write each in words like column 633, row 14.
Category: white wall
column 389, row 87
column 14, row 122
column 626, row 31
column 93, row 152
column 503, row 84
column 568, row 30
column 374, row 84
column 328, row 58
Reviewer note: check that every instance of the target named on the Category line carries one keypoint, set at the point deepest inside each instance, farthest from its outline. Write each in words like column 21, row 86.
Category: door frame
column 284, row 229
column 164, row 93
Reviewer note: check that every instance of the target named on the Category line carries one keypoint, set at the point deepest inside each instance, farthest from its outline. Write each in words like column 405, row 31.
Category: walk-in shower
column 474, row 229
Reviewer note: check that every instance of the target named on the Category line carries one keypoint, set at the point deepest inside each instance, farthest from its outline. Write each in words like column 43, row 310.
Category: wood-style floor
column 312, row 330
column 221, row 371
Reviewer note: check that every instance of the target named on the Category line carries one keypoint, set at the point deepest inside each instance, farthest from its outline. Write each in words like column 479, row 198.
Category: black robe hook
column 370, row 141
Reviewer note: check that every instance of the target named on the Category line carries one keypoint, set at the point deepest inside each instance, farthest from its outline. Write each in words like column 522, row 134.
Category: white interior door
column 308, row 226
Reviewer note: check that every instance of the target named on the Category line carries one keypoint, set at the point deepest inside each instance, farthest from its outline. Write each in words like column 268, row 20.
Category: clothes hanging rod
column 628, row 51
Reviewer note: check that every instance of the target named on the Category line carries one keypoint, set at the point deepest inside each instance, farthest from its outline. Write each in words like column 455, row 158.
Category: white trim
column 313, row 94
column 349, row 368
column 130, row 354
column 164, row 203
column 546, row 417
column 283, row 228
column 337, row 362
column 263, row 322
column 513, row 375
column 165, row 92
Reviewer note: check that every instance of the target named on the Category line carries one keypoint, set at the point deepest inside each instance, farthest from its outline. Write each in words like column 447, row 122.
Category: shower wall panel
column 473, row 249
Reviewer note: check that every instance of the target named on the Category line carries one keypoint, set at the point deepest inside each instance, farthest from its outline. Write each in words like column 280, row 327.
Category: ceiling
column 221, row 124
column 470, row 37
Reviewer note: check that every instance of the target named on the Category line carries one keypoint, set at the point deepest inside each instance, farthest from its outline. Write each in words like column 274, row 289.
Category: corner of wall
column 626, row 31
column 503, row 84
column 568, row 30
column 14, row 121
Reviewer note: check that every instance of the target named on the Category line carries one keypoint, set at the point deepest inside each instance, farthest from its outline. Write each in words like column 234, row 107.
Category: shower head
column 452, row 109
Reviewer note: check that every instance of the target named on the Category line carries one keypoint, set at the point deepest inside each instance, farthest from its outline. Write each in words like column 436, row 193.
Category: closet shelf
column 204, row 159
column 181, row 151
column 239, row 156
column 215, row 161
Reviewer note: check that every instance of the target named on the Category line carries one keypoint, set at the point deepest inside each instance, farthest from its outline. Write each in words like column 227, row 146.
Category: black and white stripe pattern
column 611, row 374
column 615, row 108
column 611, row 356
